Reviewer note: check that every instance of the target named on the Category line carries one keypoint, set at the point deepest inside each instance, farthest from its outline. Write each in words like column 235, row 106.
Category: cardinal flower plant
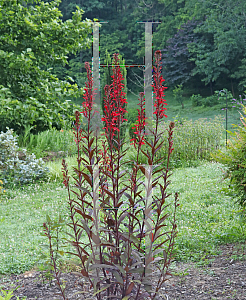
column 123, row 234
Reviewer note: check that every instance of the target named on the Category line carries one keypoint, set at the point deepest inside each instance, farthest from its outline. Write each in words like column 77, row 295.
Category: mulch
column 224, row 277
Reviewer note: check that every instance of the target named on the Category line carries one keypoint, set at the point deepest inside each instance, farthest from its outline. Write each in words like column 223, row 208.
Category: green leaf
column 139, row 270
column 101, row 290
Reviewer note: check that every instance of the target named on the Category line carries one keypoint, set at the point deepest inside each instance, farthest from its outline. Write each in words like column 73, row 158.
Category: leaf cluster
column 234, row 159
column 32, row 38
column 14, row 170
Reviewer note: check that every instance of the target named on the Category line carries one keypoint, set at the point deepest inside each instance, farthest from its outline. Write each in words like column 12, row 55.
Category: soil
column 222, row 277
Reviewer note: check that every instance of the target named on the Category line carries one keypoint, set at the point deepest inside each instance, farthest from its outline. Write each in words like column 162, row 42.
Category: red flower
column 89, row 93
column 114, row 101
column 140, row 123
column 159, row 103
column 159, row 88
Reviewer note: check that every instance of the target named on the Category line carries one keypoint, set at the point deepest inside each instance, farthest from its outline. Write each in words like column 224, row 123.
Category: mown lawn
column 206, row 217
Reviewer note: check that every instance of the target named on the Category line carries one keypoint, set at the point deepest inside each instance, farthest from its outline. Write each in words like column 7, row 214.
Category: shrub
column 234, row 157
column 197, row 100
column 14, row 170
column 218, row 98
column 210, row 101
column 178, row 94
column 18, row 115
column 132, row 115
column 222, row 97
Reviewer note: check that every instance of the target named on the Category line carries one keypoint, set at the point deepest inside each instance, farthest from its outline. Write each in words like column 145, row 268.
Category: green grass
column 22, row 215
column 206, row 217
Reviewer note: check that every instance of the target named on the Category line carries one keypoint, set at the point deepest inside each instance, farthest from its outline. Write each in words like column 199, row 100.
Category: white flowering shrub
column 14, row 170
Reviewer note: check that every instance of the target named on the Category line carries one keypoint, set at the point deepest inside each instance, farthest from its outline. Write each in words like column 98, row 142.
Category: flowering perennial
column 114, row 102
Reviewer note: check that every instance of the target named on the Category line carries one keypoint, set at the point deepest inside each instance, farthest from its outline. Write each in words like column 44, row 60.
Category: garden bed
column 221, row 277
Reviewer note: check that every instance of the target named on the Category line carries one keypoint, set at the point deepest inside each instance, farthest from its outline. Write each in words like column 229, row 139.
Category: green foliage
column 55, row 228
column 33, row 37
column 49, row 140
column 55, row 173
column 235, row 160
column 218, row 54
column 7, row 295
column 221, row 96
column 240, row 74
column 196, row 100
column 19, row 115
column 132, row 115
column 14, row 170
column 210, row 101
column 178, row 94
column 112, row 43
column 217, row 98
column 193, row 140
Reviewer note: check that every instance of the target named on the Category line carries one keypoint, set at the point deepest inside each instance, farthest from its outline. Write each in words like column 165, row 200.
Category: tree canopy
column 202, row 42
column 33, row 39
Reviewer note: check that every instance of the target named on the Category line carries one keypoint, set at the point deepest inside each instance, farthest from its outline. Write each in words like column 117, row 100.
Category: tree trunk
column 211, row 88
column 182, row 103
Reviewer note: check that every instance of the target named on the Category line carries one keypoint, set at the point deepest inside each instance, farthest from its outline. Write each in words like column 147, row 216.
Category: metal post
column 225, row 91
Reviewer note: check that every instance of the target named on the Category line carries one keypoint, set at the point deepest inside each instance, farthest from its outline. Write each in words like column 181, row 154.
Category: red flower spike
column 89, row 93
column 159, row 88
column 140, row 123
column 114, row 102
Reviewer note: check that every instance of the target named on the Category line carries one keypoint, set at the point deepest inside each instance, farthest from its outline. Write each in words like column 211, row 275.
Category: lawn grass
column 23, row 212
column 206, row 217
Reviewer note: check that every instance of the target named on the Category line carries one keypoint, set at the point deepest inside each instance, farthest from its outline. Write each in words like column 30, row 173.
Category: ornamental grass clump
column 122, row 234
column 195, row 140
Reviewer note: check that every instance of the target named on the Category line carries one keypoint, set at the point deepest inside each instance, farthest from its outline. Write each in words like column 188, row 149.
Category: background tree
column 32, row 38
column 176, row 56
column 213, row 60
